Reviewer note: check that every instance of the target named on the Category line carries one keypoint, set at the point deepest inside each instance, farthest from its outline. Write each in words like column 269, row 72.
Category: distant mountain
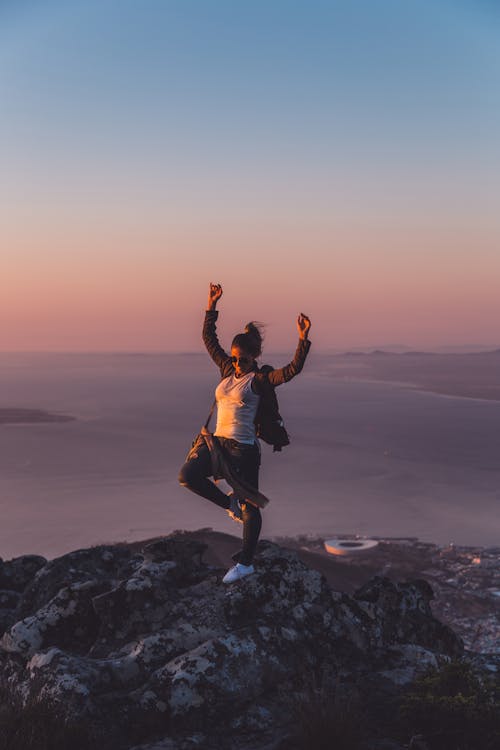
column 467, row 349
column 386, row 348
column 383, row 353
column 415, row 352
column 421, row 354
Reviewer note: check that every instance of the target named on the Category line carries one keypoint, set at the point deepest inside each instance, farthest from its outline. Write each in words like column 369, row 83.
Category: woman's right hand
column 214, row 294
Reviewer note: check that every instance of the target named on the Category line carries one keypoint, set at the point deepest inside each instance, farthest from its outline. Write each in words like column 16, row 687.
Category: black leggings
column 246, row 461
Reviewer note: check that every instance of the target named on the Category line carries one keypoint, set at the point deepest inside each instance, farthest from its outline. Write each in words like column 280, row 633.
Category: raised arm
column 283, row 374
column 219, row 356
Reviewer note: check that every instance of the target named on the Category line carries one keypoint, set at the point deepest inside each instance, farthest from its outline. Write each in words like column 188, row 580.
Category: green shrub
column 455, row 708
column 326, row 717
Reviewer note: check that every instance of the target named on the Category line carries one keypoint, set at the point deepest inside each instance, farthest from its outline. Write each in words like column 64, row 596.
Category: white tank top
column 236, row 408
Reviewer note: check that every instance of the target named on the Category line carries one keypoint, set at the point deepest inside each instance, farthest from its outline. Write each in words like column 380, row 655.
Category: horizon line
column 359, row 349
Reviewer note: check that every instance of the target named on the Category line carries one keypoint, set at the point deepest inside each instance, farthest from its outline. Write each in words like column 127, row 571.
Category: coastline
column 418, row 388
column 10, row 416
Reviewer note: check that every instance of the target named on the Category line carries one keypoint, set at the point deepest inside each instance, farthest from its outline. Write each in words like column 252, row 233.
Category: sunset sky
column 335, row 157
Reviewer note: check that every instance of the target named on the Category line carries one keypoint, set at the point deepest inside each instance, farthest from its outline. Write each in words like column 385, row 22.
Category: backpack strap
column 210, row 414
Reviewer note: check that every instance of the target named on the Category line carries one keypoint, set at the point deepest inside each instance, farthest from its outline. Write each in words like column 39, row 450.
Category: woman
column 246, row 408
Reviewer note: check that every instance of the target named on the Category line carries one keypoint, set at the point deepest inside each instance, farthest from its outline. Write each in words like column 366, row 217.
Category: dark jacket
column 268, row 423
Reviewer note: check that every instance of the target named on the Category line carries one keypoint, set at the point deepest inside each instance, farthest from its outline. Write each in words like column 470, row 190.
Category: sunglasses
column 241, row 360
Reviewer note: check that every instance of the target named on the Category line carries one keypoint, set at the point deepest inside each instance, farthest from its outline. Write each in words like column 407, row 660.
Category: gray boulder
column 153, row 647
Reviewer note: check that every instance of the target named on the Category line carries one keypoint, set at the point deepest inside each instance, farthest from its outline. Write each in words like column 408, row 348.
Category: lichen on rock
column 151, row 643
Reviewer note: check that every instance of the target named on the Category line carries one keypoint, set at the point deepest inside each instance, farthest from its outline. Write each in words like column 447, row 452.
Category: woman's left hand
column 303, row 325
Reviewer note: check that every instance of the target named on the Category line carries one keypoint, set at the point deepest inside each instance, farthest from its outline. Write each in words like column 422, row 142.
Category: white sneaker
column 234, row 510
column 238, row 571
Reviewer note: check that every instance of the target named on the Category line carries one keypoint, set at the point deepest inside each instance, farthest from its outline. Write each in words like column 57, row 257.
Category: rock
column 17, row 573
column 9, row 599
column 151, row 644
column 401, row 613
column 403, row 663
column 418, row 742
column 233, row 669
column 7, row 618
column 186, row 552
column 68, row 620
column 103, row 563
column 284, row 588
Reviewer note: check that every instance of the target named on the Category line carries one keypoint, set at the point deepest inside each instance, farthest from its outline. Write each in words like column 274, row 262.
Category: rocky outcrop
column 151, row 646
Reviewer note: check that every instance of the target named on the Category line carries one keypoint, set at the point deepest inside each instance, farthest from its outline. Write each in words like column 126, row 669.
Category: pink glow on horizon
column 119, row 290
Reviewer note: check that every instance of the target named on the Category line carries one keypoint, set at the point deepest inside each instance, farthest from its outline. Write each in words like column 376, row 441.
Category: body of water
column 365, row 458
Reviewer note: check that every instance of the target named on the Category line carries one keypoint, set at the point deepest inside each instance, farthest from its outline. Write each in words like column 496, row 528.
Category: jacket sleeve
column 219, row 356
column 289, row 371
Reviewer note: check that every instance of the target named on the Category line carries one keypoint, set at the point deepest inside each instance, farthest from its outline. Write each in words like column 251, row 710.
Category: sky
column 339, row 158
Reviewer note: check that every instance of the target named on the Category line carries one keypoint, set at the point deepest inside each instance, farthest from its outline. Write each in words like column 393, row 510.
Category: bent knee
column 183, row 477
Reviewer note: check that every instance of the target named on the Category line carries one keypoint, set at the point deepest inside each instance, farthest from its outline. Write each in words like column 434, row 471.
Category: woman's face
column 243, row 361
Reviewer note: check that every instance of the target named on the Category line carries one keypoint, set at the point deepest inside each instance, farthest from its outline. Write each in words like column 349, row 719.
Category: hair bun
column 251, row 339
column 255, row 329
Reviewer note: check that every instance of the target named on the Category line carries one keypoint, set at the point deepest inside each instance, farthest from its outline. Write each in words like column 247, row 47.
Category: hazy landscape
column 472, row 374
column 382, row 444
